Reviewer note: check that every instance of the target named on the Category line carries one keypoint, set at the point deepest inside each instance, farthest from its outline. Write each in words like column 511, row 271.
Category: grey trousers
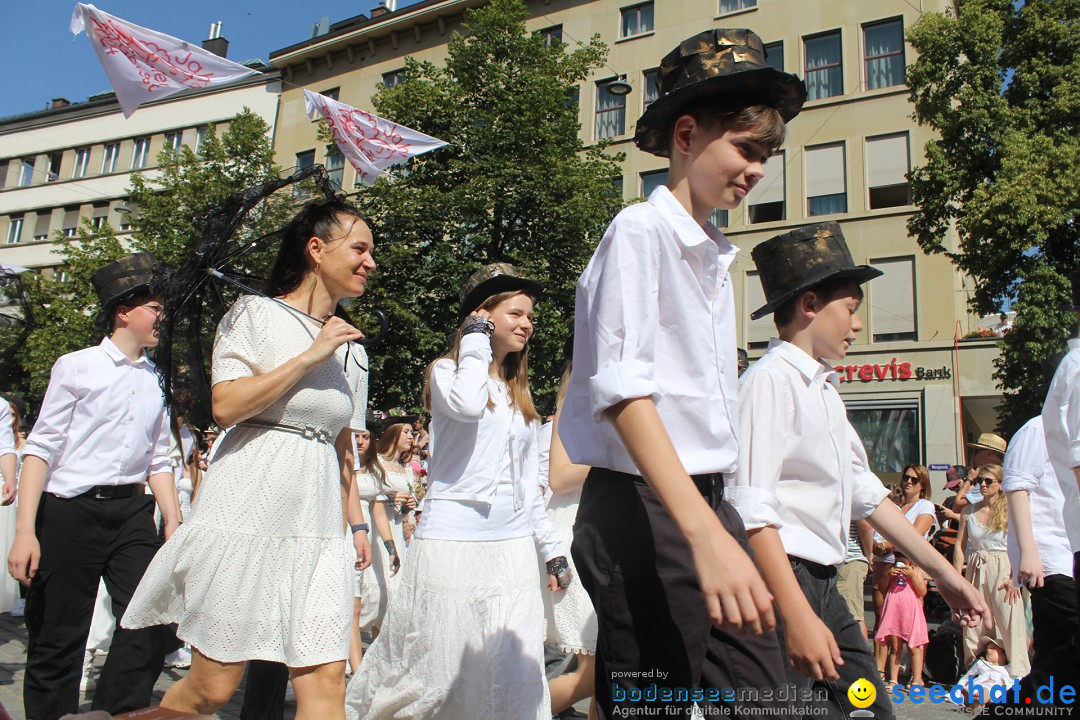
column 818, row 583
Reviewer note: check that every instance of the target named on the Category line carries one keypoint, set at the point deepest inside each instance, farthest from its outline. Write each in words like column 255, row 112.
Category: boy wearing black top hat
column 651, row 406
column 101, row 435
column 803, row 474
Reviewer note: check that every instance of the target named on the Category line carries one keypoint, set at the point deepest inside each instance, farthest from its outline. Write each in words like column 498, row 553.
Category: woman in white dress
column 260, row 570
column 394, row 499
column 464, row 632
column 572, row 626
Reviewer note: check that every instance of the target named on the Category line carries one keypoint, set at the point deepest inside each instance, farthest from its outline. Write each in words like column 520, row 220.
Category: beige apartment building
column 75, row 160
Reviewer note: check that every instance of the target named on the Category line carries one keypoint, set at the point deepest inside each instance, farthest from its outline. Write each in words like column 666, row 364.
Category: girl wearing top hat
column 463, row 634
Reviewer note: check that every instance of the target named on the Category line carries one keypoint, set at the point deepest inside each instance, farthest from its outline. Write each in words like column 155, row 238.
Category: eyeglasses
column 156, row 309
column 912, row 478
column 986, row 481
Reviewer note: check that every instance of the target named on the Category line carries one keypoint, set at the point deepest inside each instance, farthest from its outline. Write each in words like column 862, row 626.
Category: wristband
column 477, row 324
column 560, row 568
column 391, row 549
column 358, row 528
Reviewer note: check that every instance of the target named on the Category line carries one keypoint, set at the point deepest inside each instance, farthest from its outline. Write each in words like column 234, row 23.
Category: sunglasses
column 912, row 478
column 986, row 481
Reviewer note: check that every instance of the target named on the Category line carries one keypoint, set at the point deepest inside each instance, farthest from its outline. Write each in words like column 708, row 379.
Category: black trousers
column 264, row 693
column 1054, row 618
column 83, row 540
column 829, row 698
column 655, row 635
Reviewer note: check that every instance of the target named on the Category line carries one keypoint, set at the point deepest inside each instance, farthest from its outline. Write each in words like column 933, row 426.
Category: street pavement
column 13, row 656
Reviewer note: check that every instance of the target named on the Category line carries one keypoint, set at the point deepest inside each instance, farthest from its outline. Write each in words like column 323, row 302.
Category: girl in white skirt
column 464, row 633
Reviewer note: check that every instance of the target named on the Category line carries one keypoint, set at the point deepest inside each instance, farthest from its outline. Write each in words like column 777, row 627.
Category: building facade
column 75, row 161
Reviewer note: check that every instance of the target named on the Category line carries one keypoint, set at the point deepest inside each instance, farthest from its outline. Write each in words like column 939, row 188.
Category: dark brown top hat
column 1074, row 278
column 492, row 280
column 712, row 63
column 796, row 261
column 120, row 280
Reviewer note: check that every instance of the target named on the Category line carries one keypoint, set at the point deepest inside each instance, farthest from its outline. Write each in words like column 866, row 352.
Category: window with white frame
column 826, row 180
column 71, row 221
column 100, row 216
column 108, row 163
column 173, row 140
column 26, row 172
column 14, row 235
column 889, row 429
column 82, row 163
column 200, row 138
column 719, row 218
column 305, row 159
column 765, row 202
column 53, row 173
column 41, row 226
column 636, row 20
column 140, row 156
column 887, row 165
column 610, row 111
column 892, row 300
column 823, row 70
column 652, row 92
column 332, row 93
column 883, row 53
column 758, row 331
column 730, row 6
column 652, row 180
column 4, row 165
column 774, row 55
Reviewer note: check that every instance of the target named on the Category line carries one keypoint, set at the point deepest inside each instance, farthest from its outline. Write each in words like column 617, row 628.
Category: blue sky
column 42, row 61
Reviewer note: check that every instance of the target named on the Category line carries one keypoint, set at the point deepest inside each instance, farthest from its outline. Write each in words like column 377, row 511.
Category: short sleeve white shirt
column 803, row 468
column 102, row 422
column 1028, row 469
column 655, row 318
column 1061, row 423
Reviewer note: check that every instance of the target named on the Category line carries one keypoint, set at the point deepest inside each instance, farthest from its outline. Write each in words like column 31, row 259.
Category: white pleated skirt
column 463, row 638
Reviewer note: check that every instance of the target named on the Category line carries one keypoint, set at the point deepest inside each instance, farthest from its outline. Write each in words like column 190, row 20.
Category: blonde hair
column 515, row 366
column 999, row 510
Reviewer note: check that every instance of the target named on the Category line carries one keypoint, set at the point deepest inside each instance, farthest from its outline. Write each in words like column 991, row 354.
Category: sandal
column 890, row 685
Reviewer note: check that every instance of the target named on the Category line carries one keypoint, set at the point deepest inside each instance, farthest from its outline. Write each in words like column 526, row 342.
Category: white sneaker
column 290, row 695
column 88, row 681
column 20, row 608
column 180, row 658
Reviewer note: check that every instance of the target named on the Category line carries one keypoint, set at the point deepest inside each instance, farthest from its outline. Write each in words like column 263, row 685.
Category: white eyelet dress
column 261, row 570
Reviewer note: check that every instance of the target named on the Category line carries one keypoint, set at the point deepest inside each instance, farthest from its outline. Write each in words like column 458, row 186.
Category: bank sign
column 892, row 371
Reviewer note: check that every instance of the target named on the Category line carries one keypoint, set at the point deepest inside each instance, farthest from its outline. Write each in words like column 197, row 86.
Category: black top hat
column 492, row 280
column 796, row 261
column 715, row 62
column 122, row 279
column 1074, row 278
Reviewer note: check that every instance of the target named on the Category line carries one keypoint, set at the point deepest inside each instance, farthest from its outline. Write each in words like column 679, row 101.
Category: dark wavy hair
column 318, row 219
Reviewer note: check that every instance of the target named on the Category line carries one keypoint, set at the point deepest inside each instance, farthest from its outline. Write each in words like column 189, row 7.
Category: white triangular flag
column 145, row 65
column 371, row 143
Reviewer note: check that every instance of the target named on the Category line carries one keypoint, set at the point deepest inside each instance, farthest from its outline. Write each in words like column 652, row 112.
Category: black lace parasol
column 230, row 259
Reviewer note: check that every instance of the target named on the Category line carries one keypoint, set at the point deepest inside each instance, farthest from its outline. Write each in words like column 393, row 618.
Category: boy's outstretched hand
column 735, row 594
column 967, row 603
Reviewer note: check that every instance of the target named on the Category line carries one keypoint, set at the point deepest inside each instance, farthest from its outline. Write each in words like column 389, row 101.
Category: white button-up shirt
column 803, row 467
column 655, row 318
column 1061, row 422
column 103, row 422
column 1028, row 469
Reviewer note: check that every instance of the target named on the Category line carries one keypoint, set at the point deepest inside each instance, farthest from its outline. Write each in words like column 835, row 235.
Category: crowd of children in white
column 676, row 535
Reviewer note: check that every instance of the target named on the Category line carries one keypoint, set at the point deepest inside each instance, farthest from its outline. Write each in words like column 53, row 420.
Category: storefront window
column 889, row 432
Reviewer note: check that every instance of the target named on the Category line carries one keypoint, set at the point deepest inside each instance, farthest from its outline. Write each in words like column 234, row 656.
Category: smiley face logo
column 862, row 693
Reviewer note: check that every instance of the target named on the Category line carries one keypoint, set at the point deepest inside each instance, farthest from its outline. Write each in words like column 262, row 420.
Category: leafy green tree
column 1000, row 83
column 165, row 222
column 515, row 184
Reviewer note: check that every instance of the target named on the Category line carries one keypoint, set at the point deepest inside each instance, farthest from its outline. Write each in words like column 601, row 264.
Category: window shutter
column 886, row 160
column 762, row 329
column 771, row 187
column 825, row 170
column 892, row 296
